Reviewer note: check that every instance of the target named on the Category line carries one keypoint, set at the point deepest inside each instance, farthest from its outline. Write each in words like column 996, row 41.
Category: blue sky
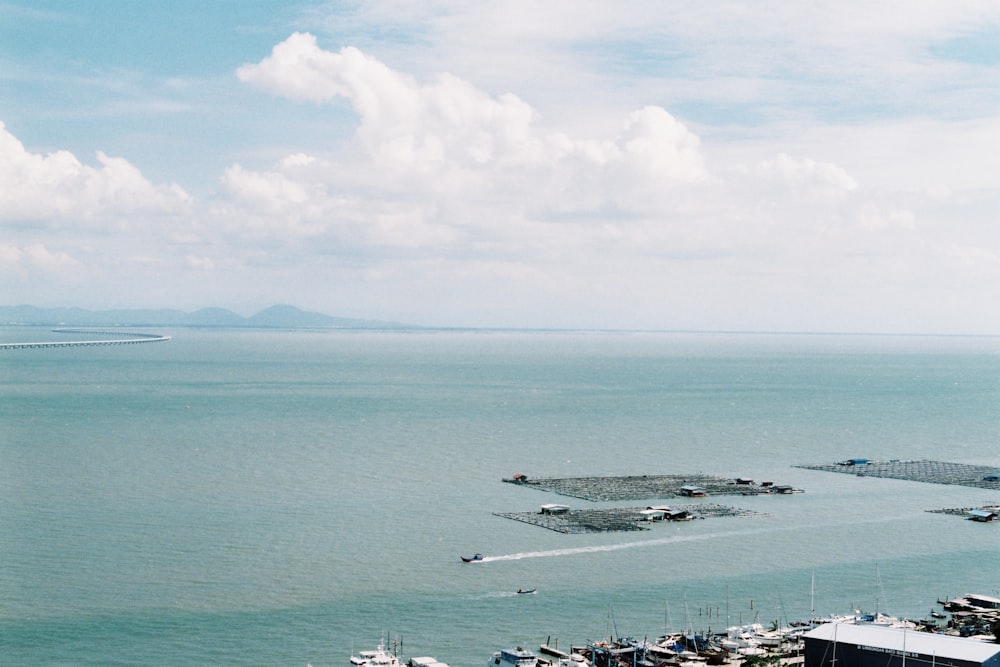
column 679, row 165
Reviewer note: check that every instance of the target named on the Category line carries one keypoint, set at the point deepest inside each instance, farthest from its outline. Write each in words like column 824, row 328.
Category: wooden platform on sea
column 933, row 472
column 634, row 487
column 618, row 518
column 990, row 508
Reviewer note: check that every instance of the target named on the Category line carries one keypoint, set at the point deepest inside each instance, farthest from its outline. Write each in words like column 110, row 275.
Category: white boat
column 738, row 639
column 513, row 657
column 380, row 657
column 426, row 661
column 755, row 635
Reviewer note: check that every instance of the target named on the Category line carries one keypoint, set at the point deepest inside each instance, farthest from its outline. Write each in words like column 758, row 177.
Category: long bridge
column 121, row 338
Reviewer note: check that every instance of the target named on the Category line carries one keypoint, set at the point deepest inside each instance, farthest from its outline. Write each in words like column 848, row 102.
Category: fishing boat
column 472, row 559
column 380, row 657
column 513, row 657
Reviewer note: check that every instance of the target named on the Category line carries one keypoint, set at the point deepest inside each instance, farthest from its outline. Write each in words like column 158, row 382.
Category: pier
column 933, row 472
column 121, row 338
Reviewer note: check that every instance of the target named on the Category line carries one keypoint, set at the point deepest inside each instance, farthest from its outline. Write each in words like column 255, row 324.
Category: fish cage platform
column 619, row 518
column 933, row 472
column 636, row 487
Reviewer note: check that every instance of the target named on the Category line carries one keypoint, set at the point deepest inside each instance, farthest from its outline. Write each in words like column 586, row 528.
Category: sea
column 292, row 497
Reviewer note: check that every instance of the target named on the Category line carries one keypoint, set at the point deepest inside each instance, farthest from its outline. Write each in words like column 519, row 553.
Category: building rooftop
column 908, row 641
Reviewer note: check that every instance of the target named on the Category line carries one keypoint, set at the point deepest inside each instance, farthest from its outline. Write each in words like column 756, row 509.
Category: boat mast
column 833, row 661
column 812, row 597
column 727, row 604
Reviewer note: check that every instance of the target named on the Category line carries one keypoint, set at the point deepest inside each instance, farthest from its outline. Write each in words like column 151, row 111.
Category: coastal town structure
column 869, row 645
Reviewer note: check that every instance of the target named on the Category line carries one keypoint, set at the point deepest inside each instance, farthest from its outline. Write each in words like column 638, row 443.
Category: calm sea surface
column 281, row 498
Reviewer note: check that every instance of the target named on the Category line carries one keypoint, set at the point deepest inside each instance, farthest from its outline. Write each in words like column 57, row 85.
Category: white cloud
column 9, row 255
column 804, row 172
column 552, row 163
column 202, row 263
column 40, row 256
column 59, row 186
column 874, row 218
column 445, row 165
column 449, row 124
column 34, row 256
column 479, row 191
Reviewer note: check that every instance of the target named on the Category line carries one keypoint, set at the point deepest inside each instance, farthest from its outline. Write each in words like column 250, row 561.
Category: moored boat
column 379, row 657
column 513, row 657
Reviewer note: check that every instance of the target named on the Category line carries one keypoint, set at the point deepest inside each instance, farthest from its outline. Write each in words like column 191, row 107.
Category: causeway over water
column 120, row 338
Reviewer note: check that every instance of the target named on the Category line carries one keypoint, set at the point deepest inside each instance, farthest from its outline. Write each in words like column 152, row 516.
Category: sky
column 674, row 165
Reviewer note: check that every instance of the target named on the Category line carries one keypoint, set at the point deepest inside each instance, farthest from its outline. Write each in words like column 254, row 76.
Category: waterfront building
column 864, row 645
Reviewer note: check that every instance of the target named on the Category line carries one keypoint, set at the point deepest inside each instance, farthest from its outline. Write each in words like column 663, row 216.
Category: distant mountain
column 275, row 317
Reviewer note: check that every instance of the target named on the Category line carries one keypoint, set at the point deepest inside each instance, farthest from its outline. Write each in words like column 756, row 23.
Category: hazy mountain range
column 278, row 317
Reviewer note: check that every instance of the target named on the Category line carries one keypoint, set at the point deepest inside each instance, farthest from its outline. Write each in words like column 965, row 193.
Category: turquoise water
column 283, row 498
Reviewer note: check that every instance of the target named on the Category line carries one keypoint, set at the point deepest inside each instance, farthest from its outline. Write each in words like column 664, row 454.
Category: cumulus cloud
column 40, row 256
column 34, row 256
column 443, row 162
column 819, row 154
column 451, row 124
column 449, row 175
column 59, row 186
column 804, row 172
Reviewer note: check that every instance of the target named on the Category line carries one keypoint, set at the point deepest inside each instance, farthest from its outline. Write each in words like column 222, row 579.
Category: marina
column 966, row 639
column 974, row 618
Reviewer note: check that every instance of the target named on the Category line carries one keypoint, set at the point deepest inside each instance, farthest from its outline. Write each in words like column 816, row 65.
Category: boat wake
column 673, row 539
column 572, row 551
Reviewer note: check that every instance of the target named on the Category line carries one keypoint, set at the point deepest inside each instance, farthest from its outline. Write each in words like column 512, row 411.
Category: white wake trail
column 604, row 547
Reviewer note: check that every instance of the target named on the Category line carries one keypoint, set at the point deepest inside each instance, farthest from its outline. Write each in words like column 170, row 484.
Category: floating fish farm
column 933, row 472
column 618, row 518
column 635, row 487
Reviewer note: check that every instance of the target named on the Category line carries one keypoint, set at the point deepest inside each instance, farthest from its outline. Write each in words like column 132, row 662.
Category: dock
column 932, row 472
column 618, row 518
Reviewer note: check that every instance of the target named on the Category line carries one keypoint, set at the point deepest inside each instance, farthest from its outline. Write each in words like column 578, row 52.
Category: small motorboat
column 472, row 559
column 937, row 614
column 525, row 591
